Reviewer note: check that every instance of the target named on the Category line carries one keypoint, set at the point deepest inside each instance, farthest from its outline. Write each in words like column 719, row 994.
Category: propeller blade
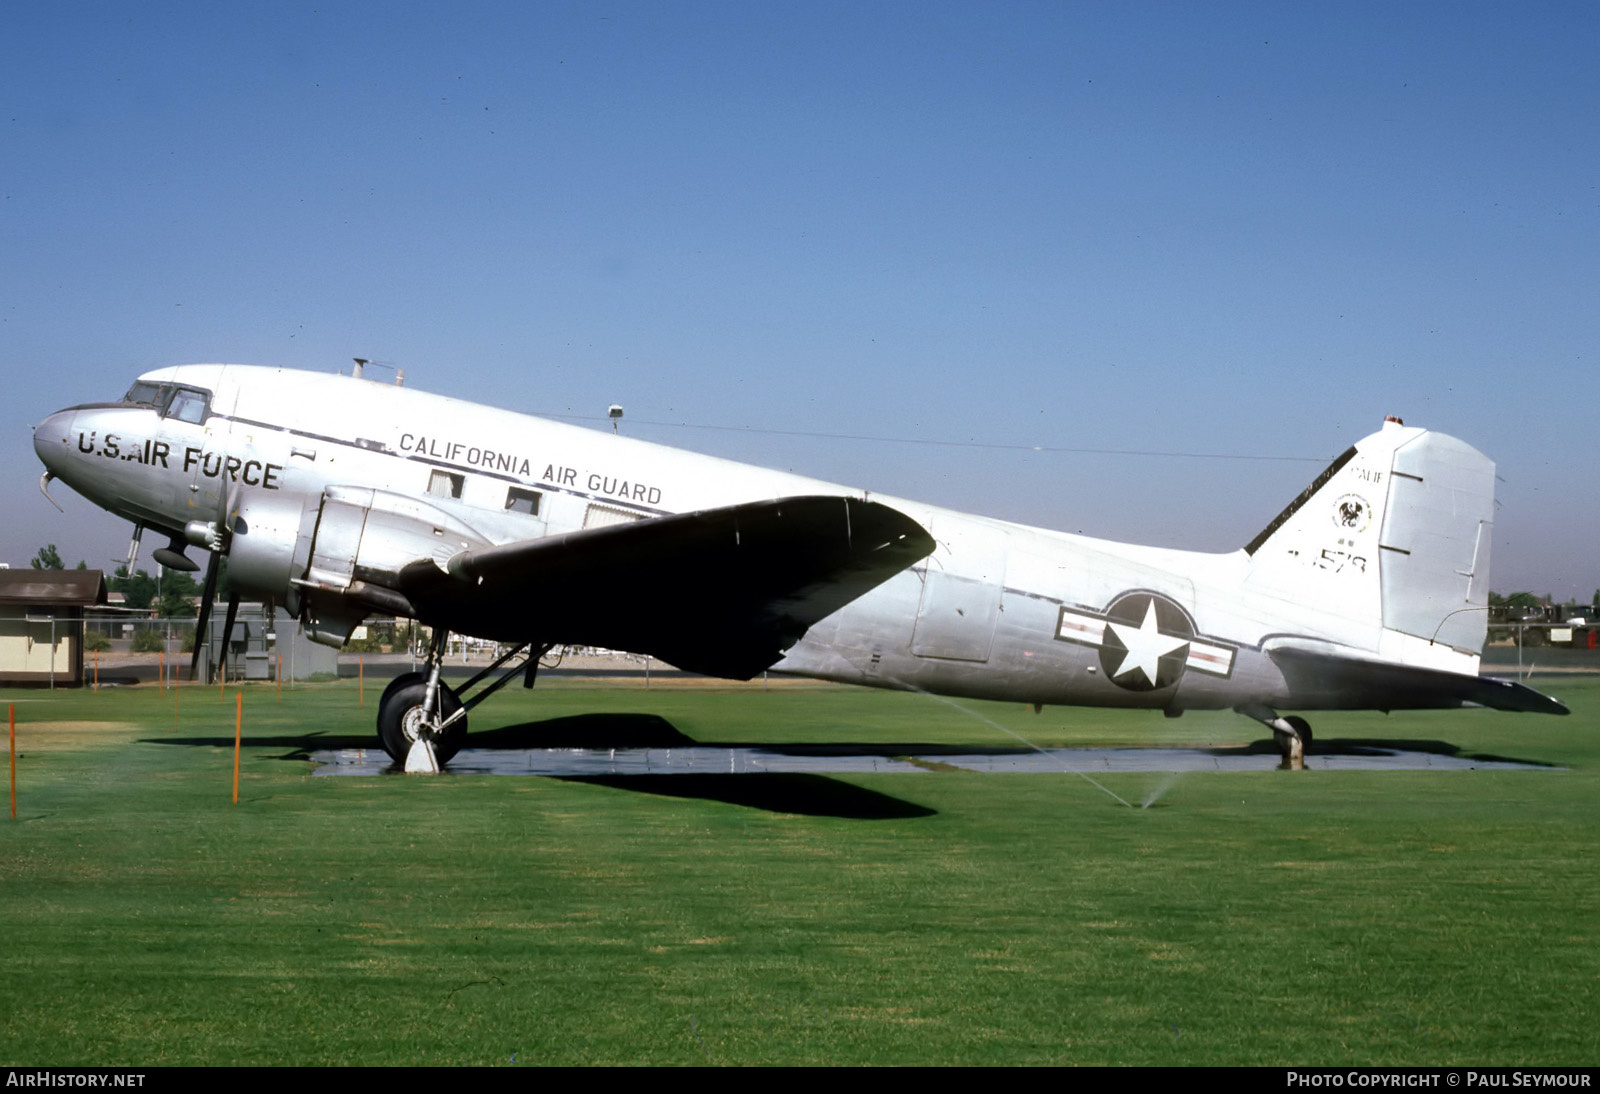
column 206, row 596
column 227, row 517
column 227, row 632
column 229, row 501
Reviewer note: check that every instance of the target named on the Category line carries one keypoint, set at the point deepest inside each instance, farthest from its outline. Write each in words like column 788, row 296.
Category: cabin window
column 519, row 500
column 445, row 485
column 187, row 405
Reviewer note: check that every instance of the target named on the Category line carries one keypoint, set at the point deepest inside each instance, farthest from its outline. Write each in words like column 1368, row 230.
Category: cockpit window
column 187, row 405
column 144, row 393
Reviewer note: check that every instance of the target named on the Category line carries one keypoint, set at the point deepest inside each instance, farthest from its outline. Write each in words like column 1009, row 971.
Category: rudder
column 1434, row 550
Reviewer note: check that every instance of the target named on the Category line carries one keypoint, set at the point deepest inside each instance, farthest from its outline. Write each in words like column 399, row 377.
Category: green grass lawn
column 1386, row 917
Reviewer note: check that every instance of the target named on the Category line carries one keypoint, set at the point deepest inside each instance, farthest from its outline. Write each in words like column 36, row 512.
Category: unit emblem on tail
column 1353, row 513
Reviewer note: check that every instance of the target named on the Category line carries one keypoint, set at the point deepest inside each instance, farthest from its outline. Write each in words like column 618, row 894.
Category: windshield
column 187, row 404
column 143, row 393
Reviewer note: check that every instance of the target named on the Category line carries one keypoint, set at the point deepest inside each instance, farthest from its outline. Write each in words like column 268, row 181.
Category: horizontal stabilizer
column 721, row 591
column 1329, row 681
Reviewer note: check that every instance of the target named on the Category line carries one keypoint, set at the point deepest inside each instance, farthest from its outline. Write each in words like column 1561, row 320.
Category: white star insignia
column 1146, row 645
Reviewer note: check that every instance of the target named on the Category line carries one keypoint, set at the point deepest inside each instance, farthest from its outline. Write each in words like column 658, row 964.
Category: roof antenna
column 615, row 414
column 363, row 362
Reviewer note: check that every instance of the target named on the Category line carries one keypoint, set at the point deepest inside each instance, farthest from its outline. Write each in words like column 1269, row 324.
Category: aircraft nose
column 52, row 440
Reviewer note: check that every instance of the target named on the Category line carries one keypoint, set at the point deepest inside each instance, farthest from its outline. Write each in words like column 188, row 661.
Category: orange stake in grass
column 11, row 724
column 238, row 727
column 361, row 681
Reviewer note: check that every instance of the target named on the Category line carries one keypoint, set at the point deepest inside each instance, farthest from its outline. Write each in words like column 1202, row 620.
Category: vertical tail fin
column 1389, row 548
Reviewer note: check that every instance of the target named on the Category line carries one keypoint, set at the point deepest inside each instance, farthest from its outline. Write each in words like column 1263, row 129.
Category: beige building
column 41, row 632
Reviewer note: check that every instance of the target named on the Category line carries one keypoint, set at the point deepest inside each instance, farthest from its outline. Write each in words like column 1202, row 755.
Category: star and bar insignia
column 1146, row 642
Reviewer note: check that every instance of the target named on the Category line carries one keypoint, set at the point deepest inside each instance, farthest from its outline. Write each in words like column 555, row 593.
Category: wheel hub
column 414, row 722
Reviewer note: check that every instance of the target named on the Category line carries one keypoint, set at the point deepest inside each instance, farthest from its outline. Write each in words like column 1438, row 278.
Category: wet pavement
column 821, row 760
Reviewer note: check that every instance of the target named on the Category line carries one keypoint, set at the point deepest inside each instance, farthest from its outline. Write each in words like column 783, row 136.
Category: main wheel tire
column 405, row 679
column 399, row 682
column 400, row 715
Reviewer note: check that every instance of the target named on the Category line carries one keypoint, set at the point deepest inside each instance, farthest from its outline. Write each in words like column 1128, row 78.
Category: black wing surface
column 722, row 591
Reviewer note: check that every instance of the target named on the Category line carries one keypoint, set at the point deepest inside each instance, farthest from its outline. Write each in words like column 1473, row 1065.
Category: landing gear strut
column 422, row 721
column 1292, row 734
column 1298, row 737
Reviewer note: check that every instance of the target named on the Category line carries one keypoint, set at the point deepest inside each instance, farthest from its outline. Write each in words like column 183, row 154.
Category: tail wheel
column 1302, row 729
column 401, row 717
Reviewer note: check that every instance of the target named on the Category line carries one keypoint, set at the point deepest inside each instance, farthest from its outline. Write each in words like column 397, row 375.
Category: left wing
column 721, row 591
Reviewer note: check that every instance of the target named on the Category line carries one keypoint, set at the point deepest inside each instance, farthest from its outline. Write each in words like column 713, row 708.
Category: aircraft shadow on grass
column 776, row 792
column 807, row 794
column 804, row 794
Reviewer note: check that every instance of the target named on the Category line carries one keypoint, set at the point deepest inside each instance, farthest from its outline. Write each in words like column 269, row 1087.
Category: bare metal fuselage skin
column 996, row 611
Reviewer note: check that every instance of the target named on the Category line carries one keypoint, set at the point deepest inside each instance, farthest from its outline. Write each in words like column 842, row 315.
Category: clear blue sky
column 1205, row 229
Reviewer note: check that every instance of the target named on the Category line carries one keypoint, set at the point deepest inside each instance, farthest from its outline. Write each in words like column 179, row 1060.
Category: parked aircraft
column 337, row 497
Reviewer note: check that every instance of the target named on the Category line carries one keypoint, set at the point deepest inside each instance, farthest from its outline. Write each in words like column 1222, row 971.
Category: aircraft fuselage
column 998, row 610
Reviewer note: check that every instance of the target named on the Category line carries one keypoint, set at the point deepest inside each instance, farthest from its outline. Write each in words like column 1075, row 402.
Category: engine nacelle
column 363, row 538
column 271, row 546
column 313, row 558
column 369, row 535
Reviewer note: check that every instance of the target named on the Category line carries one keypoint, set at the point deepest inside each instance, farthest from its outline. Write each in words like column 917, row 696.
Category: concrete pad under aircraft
column 827, row 760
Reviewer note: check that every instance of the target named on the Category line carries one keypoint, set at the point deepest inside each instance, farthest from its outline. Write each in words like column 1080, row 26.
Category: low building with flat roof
column 41, row 624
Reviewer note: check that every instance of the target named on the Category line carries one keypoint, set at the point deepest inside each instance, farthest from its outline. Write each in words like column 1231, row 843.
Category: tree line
column 170, row 596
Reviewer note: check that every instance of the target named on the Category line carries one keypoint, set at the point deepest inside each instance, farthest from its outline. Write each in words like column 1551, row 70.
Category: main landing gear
column 422, row 721
column 421, row 732
column 1292, row 734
